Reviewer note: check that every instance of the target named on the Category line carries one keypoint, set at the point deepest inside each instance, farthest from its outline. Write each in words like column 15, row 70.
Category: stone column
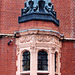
column 33, row 62
column 52, row 64
column 59, row 64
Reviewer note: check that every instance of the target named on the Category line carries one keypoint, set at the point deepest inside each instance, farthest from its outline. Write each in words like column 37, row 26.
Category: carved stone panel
column 43, row 38
column 25, row 39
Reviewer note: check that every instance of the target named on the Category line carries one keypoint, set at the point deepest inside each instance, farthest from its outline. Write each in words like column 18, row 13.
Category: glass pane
column 45, row 67
column 44, row 62
column 39, row 57
column 24, row 68
column 24, row 62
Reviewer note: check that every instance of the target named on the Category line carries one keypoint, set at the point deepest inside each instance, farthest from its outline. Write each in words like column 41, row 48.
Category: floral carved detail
column 43, row 38
column 25, row 39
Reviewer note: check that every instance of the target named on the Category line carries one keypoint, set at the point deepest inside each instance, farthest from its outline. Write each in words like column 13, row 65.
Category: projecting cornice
column 39, row 32
column 6, row 35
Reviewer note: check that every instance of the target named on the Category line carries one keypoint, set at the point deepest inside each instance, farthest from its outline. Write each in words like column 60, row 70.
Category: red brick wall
column 11, row 9
column 39, row 25
column 7, row 57
column 64, row 9
column 0, row 14
column 74, row 16
column 68, row 58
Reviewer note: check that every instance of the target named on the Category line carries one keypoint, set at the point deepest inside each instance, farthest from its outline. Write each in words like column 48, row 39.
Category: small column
column 52, row 64
column 33, row 62
column 59, row 64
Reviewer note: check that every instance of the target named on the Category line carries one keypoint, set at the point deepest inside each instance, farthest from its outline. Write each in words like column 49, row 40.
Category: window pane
column 42, row 60
column 44, row 67
column 26, row 61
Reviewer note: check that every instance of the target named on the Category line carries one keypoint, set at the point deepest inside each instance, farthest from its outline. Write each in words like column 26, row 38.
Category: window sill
column 25, row 72
column 45, row 72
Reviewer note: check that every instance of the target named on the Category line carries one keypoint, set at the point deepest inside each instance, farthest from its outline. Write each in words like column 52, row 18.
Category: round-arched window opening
column 42, row 60
column 56, row 61
column 26, row 61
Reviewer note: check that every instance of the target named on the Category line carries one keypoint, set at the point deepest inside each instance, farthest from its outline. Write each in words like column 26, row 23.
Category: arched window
column 26, row 61
column 42, row 60
column 56, row 61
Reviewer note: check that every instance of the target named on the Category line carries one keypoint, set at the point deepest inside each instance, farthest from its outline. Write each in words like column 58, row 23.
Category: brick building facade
column 35, row 36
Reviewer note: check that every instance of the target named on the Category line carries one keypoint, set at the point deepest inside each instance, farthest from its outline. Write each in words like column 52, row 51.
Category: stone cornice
column 39, row 32
column 6, row 35
column 69, row 39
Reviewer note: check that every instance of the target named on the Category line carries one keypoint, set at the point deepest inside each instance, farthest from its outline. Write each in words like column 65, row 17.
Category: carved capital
column 53, row 50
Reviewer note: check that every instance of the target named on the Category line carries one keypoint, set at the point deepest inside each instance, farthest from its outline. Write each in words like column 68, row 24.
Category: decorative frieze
column 43, row 38
column 25, row 39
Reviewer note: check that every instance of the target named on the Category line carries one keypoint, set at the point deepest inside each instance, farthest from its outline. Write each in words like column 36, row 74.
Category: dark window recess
column 42, row 60
column 55, row 62
column 56, row 54
column 26, row 61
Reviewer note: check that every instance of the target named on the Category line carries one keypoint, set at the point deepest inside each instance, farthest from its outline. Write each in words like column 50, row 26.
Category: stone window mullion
column 33, row 62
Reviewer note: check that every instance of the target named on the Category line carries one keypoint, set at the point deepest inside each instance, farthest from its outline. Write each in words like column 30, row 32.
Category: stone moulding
column 6, row 35
column 38, row 16
column 39, row 32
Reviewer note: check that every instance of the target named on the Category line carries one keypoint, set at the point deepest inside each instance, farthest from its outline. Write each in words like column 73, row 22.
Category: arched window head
column 26, row 61
column 42, row 60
